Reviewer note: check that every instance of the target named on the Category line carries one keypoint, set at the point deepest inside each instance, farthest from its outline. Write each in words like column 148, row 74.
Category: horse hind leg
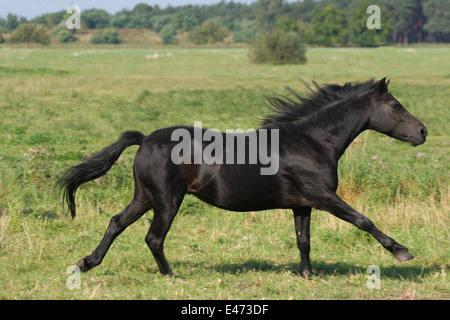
column 162, row 220
column 117, row 225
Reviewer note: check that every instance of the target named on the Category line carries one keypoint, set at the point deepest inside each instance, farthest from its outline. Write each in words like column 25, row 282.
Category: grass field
column 58, row 104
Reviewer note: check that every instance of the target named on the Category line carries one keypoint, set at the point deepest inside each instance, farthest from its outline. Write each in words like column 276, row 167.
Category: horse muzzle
column 419, row 137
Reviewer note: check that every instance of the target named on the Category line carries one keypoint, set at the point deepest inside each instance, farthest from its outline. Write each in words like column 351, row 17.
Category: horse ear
column 382, row 86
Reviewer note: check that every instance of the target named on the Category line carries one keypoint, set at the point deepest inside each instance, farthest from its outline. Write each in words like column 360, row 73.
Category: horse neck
column 336, row 126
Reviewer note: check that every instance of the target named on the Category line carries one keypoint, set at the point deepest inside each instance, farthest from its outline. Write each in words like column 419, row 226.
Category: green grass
column 59, row 104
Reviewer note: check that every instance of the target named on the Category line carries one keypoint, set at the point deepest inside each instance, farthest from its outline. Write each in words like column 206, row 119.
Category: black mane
column 291, row 109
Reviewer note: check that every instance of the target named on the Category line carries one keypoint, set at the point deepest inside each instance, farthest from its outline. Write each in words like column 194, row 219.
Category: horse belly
column 242, row 189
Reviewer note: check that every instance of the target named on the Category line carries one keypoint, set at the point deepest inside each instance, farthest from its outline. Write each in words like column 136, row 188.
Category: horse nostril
column 424, row 132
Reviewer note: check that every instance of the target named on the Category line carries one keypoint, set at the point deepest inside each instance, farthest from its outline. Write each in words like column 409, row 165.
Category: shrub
column 1, row 38
column 66, row 36
column 109, row 36
column 278, row 48
column 28, row 32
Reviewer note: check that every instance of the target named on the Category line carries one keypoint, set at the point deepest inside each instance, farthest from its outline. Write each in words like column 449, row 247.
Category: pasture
column 60, row 104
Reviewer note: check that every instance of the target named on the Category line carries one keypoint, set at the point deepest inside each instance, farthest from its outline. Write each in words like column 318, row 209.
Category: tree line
column 325, row 22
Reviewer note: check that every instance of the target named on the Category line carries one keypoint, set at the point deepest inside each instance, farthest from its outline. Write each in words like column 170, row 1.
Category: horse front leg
column 336, row 206
column 302, row 218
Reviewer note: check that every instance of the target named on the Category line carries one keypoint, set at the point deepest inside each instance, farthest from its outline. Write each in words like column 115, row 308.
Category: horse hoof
column 307, row 273
column 403, row 255
column 82, row 265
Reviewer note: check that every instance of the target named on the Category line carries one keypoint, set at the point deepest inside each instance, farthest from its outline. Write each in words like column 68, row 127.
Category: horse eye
column 396, row 106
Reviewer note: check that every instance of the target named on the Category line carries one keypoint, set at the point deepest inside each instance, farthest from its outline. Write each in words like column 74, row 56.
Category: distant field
column 58, row 104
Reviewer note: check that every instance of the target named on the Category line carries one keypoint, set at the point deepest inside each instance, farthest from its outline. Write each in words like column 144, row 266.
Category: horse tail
column 95, row 167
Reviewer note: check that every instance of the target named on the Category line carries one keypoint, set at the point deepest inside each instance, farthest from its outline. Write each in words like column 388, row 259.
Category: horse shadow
column 322, row 269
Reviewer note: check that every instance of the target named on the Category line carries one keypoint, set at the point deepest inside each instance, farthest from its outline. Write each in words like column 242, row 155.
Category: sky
column 33, row 8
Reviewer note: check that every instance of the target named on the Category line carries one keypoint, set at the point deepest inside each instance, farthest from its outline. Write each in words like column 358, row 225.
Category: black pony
column 313, row 131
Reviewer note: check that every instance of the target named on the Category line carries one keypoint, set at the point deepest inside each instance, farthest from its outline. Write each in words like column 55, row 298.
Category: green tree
column 302, row 10
column 141, row 8
column 329, row 26
column 139, row 21
column 246, row 32
column 358, row 32
column 267, row 14
column 159, row 21
column 286, row 25
column 119, row 20
column 51, row 19
column 189, row 23
column 12, row 22
column 169, row 34
column 437, row 13
column 409, row 20
column 209, row 32
column 139, row 17
column 95, row 18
